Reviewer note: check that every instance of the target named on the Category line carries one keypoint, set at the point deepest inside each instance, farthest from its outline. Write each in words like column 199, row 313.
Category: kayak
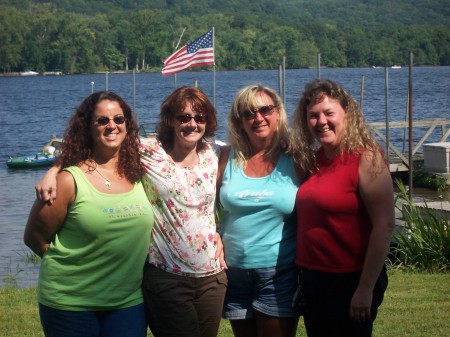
column 39, row 159
column 45, row 157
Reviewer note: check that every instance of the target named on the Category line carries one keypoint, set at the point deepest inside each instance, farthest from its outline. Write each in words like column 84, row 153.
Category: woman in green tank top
column 94, row 238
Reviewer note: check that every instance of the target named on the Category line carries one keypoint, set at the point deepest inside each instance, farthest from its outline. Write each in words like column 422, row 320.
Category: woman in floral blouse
column 184, row 283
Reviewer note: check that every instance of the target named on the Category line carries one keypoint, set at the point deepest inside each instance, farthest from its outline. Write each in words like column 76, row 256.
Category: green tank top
column 96, row 260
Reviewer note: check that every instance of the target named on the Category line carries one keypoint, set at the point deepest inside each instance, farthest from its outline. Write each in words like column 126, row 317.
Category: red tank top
column 333, row 224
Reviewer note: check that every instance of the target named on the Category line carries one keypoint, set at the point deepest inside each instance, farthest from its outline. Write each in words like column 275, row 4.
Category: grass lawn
column 415, row 305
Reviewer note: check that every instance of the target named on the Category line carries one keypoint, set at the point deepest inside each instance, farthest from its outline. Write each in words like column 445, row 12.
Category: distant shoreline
column 31, row 73
column 156, row 70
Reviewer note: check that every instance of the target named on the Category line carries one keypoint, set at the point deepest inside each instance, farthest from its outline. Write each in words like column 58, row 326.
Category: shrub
column 424, row 242
column 422, row 178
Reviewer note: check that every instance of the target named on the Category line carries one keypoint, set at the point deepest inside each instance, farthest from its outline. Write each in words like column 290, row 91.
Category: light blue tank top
column 258, row 227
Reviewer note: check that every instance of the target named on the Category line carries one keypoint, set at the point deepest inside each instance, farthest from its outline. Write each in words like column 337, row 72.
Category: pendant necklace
column 107, row 181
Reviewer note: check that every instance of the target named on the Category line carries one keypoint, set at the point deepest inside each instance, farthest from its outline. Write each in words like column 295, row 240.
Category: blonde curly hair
column 357, row 137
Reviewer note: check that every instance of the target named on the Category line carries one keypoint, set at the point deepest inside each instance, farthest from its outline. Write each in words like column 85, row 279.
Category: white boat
column 396, row 66
column 52, row 73
column 28, row 73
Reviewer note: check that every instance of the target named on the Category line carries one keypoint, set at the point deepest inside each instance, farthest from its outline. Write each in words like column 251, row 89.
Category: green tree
column 358, row 48
column 43, row 18
column 331, row 46
column 13, row 28
column 86, row 35
column 77, row 45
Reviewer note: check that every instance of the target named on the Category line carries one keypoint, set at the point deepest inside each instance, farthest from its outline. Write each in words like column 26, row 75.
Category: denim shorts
column 266, row 290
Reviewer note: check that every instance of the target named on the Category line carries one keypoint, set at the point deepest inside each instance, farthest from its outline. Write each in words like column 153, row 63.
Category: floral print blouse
column 182, row 239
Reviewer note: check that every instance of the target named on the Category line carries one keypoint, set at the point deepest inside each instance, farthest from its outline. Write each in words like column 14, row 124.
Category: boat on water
column 43, row 158
column 52, row 73
column 28, row 73
column 148, row 129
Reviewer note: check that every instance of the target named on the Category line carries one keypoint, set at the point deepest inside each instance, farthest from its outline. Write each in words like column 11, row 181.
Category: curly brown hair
column 78, row 143
column 175, row 103
column 357, row 133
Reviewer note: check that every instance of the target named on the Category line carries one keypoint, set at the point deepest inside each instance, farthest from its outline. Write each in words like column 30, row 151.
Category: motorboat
column 28, row 73
column 52, row 73
column 43, row 158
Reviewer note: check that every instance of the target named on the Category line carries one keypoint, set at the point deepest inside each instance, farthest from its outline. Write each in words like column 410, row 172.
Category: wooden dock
column 399, row 159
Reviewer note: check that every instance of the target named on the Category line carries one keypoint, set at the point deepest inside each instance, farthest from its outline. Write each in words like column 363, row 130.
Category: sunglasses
column 265, row 110
column 105, row 120
column 199, row 119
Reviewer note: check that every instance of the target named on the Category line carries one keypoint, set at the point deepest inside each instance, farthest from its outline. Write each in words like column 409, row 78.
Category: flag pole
column 214, row 71
column 176, row 47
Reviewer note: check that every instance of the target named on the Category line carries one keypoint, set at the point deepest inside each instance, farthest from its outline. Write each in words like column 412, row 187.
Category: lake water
column 34, row 108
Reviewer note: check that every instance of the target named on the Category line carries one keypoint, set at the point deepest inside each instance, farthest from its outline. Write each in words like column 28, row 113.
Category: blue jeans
column 108, row 323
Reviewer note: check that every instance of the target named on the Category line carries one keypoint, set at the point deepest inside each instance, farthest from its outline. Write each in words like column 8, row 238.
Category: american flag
column 197, row 53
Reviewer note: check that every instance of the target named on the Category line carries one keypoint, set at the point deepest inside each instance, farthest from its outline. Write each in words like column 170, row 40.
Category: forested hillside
column 80, row 36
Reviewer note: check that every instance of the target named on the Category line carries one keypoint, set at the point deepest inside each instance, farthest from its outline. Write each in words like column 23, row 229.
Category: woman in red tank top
column 345, row 213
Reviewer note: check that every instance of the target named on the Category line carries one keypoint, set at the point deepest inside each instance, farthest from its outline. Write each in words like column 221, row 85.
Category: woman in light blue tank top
column 258, row 184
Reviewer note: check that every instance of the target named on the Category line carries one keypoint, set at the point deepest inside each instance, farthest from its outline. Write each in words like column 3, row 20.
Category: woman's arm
column 377, row 193
column 46, row 187
column 223, row 158
column 222, row 163
column 220, row 254
column 46, row 219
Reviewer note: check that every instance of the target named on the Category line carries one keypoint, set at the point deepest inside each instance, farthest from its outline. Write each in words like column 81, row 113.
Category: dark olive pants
column 182, row 306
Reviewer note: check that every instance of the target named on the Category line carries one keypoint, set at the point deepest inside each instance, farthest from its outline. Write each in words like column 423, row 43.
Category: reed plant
column 14, row 276
column 424, row 242
column 10, row 279
column 29, row 256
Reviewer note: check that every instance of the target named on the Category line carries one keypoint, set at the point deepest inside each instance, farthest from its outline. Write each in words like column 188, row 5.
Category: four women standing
column 344, row 214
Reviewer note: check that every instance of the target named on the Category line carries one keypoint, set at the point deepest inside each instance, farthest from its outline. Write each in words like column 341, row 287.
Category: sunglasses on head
column 265, row 110
column 105, row 120
column 199, row 119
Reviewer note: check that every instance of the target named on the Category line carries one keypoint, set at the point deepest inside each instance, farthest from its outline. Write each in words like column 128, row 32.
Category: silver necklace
column 107, row 181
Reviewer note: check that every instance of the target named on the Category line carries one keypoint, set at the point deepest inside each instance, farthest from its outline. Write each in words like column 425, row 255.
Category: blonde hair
column 357, row 136
column 246, row 99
